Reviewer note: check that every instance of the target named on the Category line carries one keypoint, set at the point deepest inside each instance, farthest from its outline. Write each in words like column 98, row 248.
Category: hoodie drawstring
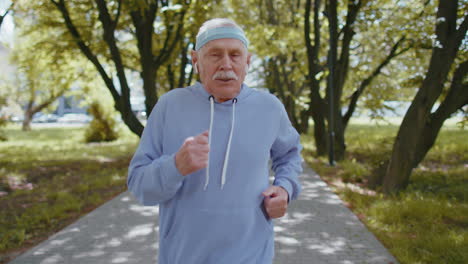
column 228, row 149
column 226, row 158
column 207, row 177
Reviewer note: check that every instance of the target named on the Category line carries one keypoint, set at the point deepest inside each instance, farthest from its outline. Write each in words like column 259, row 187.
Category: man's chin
column 226, row 91
column 227, row 85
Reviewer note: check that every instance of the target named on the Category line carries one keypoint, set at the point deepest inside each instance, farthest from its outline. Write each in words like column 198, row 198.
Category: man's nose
column 226, row 63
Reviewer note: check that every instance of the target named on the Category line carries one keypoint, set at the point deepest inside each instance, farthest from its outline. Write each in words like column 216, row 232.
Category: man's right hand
column 193, row 155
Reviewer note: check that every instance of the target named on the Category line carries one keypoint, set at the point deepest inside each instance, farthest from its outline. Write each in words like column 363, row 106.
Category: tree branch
column 457, row 96
column 167, row 48
column 109, row 38
column 461, row 32
column 366, row 82
column 183, row 63
column 47, row 102
column 60, row 4
column 176, row 39
column 6, row 13
column 309, row 48
column 348, row 33
column 446, row 21
column 119, row 8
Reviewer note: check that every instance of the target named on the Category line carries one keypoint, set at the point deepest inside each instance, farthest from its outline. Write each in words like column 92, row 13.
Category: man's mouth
column 225, row 80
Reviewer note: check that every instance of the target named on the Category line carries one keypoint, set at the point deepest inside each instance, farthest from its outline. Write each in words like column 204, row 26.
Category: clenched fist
column 275, row 201
column 193, row 155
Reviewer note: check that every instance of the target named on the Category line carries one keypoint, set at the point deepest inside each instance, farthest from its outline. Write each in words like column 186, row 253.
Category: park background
column 389, row 78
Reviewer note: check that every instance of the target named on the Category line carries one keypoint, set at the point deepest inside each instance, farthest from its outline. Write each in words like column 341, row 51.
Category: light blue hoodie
column 220, row 224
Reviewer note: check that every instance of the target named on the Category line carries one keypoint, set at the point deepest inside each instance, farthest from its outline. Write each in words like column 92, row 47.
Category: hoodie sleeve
column 152, row 176
column 286, row 157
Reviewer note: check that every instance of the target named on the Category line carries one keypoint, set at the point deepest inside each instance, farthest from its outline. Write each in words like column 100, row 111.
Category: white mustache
column 225, row 75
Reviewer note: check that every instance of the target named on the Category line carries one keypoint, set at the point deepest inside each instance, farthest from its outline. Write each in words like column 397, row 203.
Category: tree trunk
column 339, row 135
column 456, row 98
column 419, row 127
column 339, row 70
column 27, row 121
column 184, row 61
column 332, row 92
column 143, row 22
column 304, row 119
column 320, row 132
column 125, row 108
column 317, row 105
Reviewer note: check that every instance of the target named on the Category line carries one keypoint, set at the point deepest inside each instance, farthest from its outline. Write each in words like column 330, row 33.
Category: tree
column 123, row 37
column 157, row 27
column 44, row 73
column 337, row 66
column 296, row 66
column 317, row 108
column 274, row 28
column 37, row 88
column 143, row 16
column 420, row 127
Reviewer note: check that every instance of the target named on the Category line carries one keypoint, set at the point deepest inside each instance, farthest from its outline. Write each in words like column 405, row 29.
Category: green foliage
column 68, row 178
column 426, row 223
column 102, row 127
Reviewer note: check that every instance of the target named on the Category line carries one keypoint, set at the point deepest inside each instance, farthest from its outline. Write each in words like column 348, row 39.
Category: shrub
column 102, row 127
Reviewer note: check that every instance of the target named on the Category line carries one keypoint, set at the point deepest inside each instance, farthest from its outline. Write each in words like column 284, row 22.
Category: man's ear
column 194, row 61
column 249, row 55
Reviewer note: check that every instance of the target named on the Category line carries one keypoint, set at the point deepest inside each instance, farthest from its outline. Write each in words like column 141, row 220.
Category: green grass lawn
column 426, row 223
column 49, row 177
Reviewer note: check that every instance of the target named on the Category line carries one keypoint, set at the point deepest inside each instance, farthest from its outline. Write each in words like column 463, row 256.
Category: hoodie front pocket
column 202, row 235
column 263, row 215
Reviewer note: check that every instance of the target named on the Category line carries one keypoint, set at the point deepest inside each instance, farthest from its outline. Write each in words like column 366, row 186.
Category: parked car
column 17, row 119
column 74, row 118
column 45, row 118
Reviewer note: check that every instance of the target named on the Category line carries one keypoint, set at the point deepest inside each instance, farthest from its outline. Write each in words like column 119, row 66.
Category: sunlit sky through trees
column 6, row 30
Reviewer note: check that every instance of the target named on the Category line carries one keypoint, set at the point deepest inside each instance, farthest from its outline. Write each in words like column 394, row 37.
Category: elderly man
column 204, row 158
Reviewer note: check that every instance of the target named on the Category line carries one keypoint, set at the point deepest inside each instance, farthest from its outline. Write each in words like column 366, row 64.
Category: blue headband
column 220, row 33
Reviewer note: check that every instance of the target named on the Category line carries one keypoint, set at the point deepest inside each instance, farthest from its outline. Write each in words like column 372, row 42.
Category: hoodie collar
column 200, row 90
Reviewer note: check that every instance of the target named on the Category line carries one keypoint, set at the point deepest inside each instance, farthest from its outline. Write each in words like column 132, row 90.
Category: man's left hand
column 275, row 201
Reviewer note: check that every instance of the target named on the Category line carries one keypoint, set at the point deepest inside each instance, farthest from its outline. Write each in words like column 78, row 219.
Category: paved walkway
column 318, row 229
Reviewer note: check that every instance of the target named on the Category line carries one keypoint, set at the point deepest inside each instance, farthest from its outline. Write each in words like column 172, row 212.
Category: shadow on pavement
column 317, row 229
column 120, row 231
column 320, row 229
